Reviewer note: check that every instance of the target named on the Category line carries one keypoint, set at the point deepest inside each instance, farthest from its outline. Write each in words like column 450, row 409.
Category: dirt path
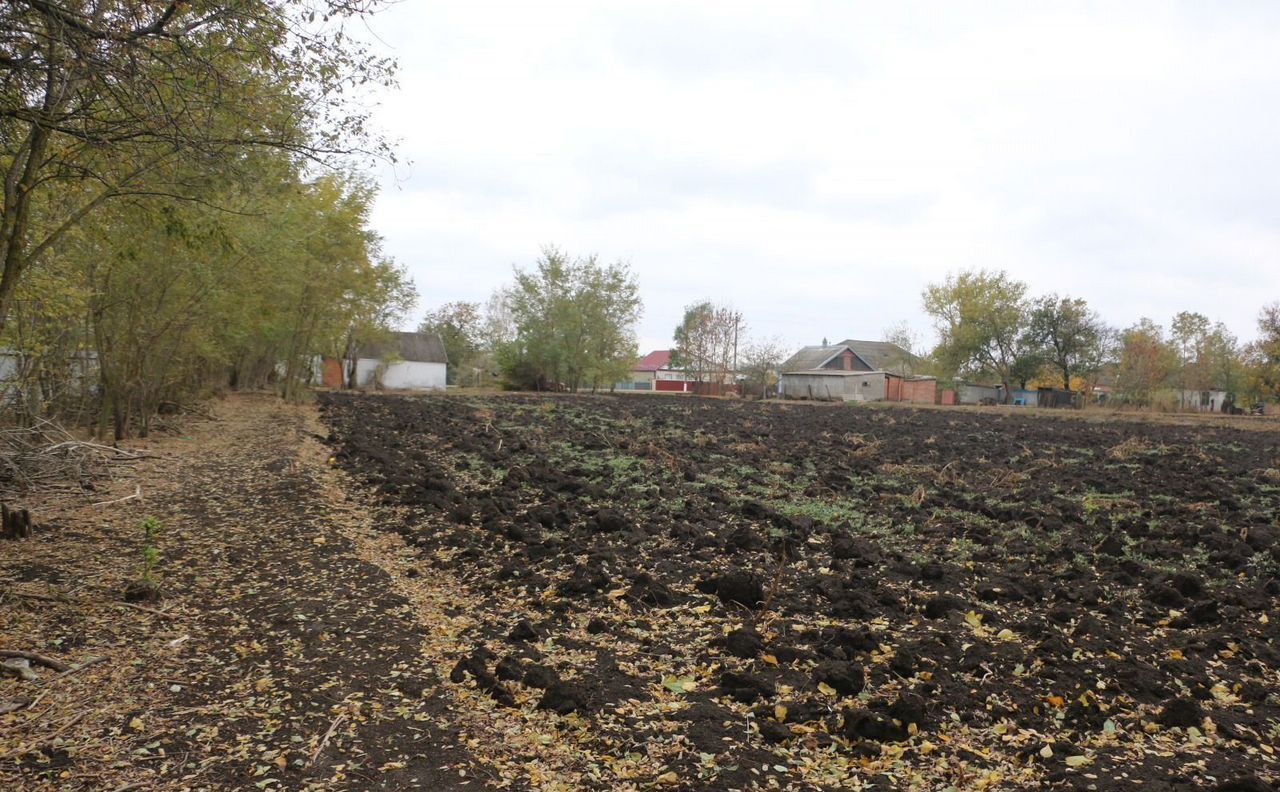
column 279, row 658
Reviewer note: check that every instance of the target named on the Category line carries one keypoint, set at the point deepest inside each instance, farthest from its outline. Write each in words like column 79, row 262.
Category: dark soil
column 932, row 597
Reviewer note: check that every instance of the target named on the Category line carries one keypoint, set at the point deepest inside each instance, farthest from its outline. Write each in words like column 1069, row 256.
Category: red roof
column 657, row 359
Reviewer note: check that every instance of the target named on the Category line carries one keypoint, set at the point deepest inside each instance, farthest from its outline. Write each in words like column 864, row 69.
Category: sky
column 817, row 164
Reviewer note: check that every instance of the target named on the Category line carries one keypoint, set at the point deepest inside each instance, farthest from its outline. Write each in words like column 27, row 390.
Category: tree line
column 991, row 329
column 179, row 212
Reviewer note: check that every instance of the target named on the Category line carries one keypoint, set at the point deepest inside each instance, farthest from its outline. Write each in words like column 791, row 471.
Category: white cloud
column 817, row 164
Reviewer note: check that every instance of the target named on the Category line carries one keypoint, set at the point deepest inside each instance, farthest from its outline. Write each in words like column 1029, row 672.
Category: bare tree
column 707, row 342
column 760, row 361
column 903, row 337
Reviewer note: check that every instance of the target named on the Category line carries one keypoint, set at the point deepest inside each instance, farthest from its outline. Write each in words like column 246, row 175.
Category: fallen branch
column 145, row 609
column 325, row 740
column 41, row 597
column 137, row 493
column 64, row 675
column 47, row 662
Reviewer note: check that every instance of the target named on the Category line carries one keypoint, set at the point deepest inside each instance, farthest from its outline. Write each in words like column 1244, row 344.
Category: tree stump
column 14, row 523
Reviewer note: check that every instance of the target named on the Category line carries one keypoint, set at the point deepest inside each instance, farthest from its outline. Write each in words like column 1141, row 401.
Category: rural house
column 654, row 373
column 410, row 361
column 855, row 370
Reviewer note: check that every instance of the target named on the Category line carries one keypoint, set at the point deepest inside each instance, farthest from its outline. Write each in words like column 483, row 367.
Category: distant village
column 851, row 370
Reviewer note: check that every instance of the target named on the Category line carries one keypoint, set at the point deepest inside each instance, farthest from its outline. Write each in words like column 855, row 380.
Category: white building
column 405, row 361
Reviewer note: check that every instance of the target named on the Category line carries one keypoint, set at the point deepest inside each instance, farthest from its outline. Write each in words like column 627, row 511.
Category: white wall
column 408, row 374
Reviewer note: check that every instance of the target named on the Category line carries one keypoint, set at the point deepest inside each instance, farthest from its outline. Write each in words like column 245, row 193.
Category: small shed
column 1204, row 400
column 410, row 361
column 970, row 393
column 833, row 385
column 836, row 385
column 914, row 390
column 1059, row 398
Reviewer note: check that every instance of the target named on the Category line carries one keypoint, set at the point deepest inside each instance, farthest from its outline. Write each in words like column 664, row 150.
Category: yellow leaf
column 826, row 689
column 262, row 684
column 779, row 713
column 770, row 659
column 136, row 724
column 1176, row 654
column 1077, row 761
column 974, row 619
column 669, row 779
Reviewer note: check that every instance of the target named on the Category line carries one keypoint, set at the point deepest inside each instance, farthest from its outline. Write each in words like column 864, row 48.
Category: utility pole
column 737, row 317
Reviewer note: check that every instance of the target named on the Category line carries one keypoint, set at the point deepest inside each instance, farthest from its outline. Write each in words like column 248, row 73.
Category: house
column 654, row 372
column 855, row 370
column 412, row 361
column 852, row 355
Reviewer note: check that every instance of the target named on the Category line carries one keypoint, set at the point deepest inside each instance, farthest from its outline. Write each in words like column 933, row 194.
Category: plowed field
column 709, row 594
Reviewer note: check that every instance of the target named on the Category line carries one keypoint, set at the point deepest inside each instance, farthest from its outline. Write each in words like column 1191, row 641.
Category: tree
column 153, row 303
column 980, row 317
column 706, row 342
column 573, row 322
column 101, row 98
column 1146, row 361
column 1209, row 356
column 760, row 361
column 459, row 326
column 1069, row 336
column 1263, row 356
column 901, row 336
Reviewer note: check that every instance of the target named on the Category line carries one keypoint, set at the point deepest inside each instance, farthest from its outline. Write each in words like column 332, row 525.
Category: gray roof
column 879, row 355
column 810, row 357
column 416, row 347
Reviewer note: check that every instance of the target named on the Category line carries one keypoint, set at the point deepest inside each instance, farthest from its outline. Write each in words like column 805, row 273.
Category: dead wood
column 39, row 659
column 45, row 455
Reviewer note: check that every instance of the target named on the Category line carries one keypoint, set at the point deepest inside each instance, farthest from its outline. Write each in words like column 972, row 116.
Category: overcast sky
column 817, row 164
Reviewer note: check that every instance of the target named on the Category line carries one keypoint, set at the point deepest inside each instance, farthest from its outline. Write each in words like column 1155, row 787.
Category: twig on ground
column 137, row 493
column 325, row 740
column 145, row 609
column 41, row 597
column 69, row 672
column 47, row 662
